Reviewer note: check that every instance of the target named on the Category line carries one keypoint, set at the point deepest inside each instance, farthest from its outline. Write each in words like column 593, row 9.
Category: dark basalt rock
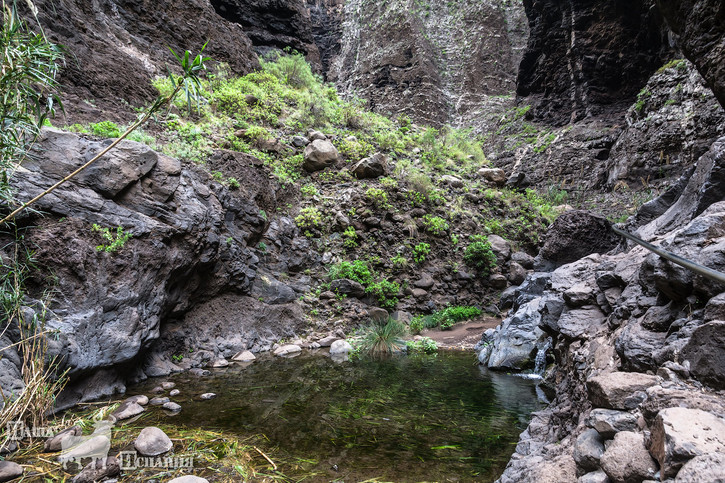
column 576, row 234
column 588, row 58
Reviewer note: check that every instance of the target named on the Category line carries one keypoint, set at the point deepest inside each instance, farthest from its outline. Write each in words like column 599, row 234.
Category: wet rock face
column 99, row 70
column 589, row 58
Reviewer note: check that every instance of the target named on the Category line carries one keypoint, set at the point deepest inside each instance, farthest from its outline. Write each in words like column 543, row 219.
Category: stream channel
column 439, row 417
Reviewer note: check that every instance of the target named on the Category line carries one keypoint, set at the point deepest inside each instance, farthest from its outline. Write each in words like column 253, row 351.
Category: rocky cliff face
column 589, row 58
column 115, row 47
column 436, row 61
column 192, row 251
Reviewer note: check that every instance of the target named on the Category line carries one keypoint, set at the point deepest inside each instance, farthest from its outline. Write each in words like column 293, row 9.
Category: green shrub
column 309, row 218
column 357, row 270
column 447, row 317
column 435, row 225
column 425, row 345
column 378, row 197
column 479, row 256
column 399, row 261
column 309, row 190
column 417, row 325
column 350, row 238
column 233, row 183
column 389, row 183
column 106, row 129
column 385, row 291
column 420, row 252
column 114, row 242
column 354, row 149
column 382, row 337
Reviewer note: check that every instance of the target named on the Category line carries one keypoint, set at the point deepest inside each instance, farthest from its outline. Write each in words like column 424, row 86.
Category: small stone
column 8, row 447
column 679, row 434
column 588, row 450
column 619, row 390
column 199, row 372
column 174, row 392
column 127, row 410
column 141, row 400
column 497, row 281
column 517, row 273
column 344, row 286
column 10, row 471
column 93, row 446
column 627, row 460
column 523, row 259
column 340, row 347
column 157, row 390
column 316, row 135
column 168, row 385
column 158, row 401
column 319, row 154
column 300, row 141
column 220, row 363
column 99, row 470
column 244, row 356
column 287, row 349
column 207, row 396
column 419, row 293
column 425, row 281
column 172, row 406
column 609, row 422
column 152, row 442
column 56, row 442
column 327, row 341
column 594, row 477
column 452, row 181
column 378, row 314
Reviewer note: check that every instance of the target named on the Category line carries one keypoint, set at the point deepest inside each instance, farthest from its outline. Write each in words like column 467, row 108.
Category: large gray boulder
column 680, row 434
column 517, row 340
column 319, row 154
column 619, row 390
column 626, row 459
column 372, row 167
column 705, row 352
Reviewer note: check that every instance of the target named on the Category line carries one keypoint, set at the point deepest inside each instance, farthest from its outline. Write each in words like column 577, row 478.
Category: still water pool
column 405, row 419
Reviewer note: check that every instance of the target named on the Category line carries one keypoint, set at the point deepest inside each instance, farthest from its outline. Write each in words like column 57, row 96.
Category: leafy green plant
column 385, row 291
column 309, row 218
column 435, row 225
column 389, row 183
column 28, row 70
column 349, row 238
column 420, row 252
column 309, row 190
column 358, row 270
column 233, row 183
column 479, row 256
column 417, row 324
column 425, row 345
column 381, row 337
column 106, row 129
column 114, row 241
column 450, row 315
column 378, row 197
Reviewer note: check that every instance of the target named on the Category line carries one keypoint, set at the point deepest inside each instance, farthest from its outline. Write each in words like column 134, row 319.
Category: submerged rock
column 287, row 350
column 244, row 356
column 99, row 470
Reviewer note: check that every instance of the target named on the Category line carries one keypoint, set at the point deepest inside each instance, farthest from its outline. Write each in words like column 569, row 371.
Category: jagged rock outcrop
column 191, row 257
column 114, row 48
column 652, row 315
column 587, row 58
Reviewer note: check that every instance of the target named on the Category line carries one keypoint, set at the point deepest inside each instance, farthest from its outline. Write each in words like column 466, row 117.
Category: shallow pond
column 408, row 418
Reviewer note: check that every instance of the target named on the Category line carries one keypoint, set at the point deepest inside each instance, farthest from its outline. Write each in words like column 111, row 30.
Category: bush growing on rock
column 386, row 293
column 358, row 271
column 479, row 256
column 435, row 225
column 420, row 251
column 378, row 197
column 309, row 218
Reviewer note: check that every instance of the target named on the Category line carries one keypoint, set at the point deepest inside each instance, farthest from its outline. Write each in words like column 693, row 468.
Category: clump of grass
column 382, row 337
